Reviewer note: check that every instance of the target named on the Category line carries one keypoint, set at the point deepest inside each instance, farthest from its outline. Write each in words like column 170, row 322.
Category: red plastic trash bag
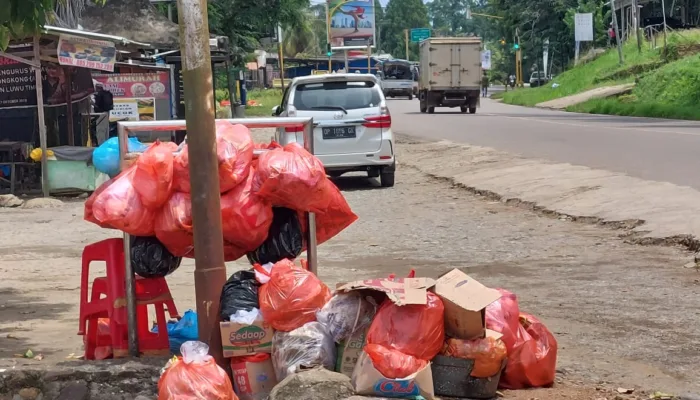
column 88, row 214
column 533, row 361
column 416, row 330
column 393, row 364
column 245, row 216
column 194, row 376
column 234, row 150
column 488, row 354
column 173, row 227
column 120, row 207
column 334, row 218
column 290, row 296
column 153, row 179
column 291, row 177
column 503, row 316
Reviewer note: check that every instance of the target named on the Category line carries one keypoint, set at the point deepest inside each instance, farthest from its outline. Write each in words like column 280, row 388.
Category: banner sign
column 351, row 23
column 136, row 85
column 486, row 59
column 583, row 27
column 86, row 53
column 143, row 109
column 18, row 85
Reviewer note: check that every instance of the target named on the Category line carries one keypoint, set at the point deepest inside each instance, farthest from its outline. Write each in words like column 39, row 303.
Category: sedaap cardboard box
column 253, row 379
column 243, row 340
column 349, row 352
column 366, row 380
column 465, row 301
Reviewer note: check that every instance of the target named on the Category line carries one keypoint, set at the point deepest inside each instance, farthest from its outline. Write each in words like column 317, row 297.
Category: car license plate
column 339, row 132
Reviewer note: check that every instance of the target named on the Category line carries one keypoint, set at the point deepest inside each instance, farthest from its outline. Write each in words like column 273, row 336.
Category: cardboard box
column 253, row 379
column 366, row 380
column 465, row 301
column 243, row 340
column 401, row 291
column 349, row 352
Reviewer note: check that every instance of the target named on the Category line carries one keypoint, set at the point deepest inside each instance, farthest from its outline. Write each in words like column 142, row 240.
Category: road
column 653, row 149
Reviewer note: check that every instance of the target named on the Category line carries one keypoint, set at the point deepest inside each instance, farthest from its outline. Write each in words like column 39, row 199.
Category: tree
column 399, row 16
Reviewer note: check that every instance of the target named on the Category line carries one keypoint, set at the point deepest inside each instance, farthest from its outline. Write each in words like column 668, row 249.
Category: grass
column 265, row 100
column 672, row 91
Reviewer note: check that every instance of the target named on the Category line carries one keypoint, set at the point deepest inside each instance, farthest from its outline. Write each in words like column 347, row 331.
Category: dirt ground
column 624, row 315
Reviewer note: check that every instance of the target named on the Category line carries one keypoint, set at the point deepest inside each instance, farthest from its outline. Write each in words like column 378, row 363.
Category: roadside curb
column 649, row 212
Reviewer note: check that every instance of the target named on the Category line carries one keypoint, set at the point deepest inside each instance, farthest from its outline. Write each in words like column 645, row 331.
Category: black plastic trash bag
column 239, row 293
column 285, row 240
column 150, row 258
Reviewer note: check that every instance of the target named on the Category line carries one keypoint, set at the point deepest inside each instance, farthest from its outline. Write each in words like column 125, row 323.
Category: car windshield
column 339, row 95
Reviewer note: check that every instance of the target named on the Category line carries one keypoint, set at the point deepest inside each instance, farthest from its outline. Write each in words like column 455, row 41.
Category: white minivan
column 352, row 124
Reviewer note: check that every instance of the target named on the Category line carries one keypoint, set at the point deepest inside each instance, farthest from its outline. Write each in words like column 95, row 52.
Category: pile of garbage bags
column 262, row 200
column 395, row 337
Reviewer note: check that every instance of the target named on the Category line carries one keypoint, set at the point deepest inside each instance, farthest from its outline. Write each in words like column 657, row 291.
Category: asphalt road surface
column 653, row 149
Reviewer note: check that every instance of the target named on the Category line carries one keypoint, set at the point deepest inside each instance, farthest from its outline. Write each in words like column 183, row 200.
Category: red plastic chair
column 108, row 300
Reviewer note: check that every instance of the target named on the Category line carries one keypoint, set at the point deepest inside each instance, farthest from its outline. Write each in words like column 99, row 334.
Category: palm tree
column 301, row 39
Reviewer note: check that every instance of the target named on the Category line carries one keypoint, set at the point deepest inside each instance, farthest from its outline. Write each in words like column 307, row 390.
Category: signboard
column 143, row 109
column 419, row 34
column 137, row 85
column 351, row 23
column 486, row 59
column 18, row 86
column 86, row 53
column 583, row 27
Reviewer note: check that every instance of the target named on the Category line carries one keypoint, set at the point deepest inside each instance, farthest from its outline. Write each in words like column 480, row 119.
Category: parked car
column 538, row 79
column 352, row 123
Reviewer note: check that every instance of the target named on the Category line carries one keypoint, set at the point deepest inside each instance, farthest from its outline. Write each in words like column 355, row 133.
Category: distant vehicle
column 352, row 124
column 538, row 79
column 396, row 77
column 450, row 73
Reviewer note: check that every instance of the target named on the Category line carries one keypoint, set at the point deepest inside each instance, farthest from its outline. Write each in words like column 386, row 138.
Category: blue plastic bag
column 106, row 156
column 182, row 331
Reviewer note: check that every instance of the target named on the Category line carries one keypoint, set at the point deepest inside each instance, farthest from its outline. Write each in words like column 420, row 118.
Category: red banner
column 137, row 85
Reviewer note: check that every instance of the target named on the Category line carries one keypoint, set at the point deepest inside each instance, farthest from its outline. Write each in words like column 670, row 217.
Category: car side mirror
column 275, row 110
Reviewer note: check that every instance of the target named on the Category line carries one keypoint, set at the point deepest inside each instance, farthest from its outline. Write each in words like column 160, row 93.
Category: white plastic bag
column 246, row 317
column 194, row 351
column 345, row 314
column 306, row 347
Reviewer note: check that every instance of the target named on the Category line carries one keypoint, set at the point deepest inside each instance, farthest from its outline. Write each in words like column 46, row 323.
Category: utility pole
column 210, row 270
column 281, row 54
column 617, row 32
column 40, row 117
column 635, row 21
column 328, row 36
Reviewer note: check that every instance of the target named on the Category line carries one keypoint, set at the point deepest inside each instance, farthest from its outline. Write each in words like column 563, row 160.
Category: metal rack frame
column 124, row 128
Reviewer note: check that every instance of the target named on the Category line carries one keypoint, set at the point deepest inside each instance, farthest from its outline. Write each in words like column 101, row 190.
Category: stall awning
column 118, row 40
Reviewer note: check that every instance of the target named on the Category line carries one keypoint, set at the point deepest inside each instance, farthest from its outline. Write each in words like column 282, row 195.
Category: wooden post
column 69, row 106
column 40, row 118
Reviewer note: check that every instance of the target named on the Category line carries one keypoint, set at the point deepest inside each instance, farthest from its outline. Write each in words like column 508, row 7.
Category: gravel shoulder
column 624, row 315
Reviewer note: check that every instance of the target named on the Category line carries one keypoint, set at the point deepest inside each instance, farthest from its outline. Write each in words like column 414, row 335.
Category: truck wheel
column 472, row 110
column 463, row 109
column 410, row 96
column 423, row 108
column 431, row 110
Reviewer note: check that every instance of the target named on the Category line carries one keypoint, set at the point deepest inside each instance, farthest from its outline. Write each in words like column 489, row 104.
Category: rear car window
column 325, row 95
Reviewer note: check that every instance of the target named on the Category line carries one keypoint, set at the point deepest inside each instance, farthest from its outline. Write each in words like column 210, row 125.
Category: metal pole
column 311, row 253
column 617, row 32
column 405, row 33
column 345, row 56
column 281, row 55
column 40, row 118
column 369, row 58
column 129, row 280
column 210, row 270
column 328, row 35
column 663, row 11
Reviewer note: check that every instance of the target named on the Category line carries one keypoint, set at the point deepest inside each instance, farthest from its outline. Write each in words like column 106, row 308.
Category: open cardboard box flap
column 401, row 291
column 465, row 300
